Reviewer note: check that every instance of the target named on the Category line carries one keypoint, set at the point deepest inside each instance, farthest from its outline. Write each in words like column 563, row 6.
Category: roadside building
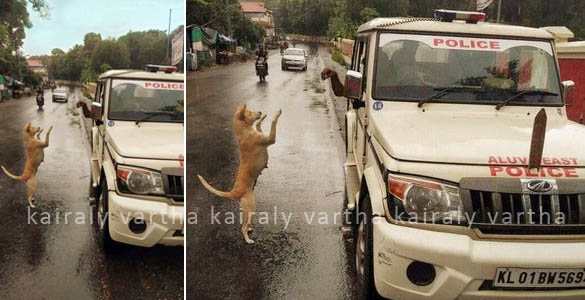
column 39, row 68
column 3, row 94
column 207, row 46
column 258, row 14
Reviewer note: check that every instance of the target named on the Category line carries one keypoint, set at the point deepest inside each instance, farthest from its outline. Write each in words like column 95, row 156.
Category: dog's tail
column 214, row 190
column 12, row 175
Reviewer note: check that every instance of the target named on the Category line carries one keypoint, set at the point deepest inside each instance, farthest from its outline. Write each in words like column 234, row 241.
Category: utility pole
column 169, row 38
column 17, row 59
column 227, row 19
column 499, row 11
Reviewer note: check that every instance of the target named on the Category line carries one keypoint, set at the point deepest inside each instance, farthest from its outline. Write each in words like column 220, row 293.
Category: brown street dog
column 34, row 157
column 253, row 148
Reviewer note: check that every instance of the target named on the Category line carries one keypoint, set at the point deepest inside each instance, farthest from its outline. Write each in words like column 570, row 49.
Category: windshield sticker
column 154, row 85
column 551, row 167
column 378, row 105
column 466, row 43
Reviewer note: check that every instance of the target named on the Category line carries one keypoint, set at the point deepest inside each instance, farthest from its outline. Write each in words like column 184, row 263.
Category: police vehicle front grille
column 527, row 213
column 174, row 187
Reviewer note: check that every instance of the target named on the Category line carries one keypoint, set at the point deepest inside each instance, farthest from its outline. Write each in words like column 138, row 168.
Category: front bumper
column 164, row 222
column 294, row 64
column 463, row 264
column 59, row 99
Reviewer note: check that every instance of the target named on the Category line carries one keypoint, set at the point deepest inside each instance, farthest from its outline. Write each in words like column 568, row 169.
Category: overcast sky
column 70, row 20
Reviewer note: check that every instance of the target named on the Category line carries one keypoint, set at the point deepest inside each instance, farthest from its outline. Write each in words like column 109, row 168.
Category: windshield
column 415, row 67
column 157, row 101
column 294, row 52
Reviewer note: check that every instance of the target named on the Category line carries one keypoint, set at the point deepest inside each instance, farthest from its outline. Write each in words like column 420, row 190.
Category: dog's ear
column 241, row 112
column 27, row 127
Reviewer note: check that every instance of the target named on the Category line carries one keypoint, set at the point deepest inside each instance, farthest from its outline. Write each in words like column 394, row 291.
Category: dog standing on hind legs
column 35, row 155
column 253, row 147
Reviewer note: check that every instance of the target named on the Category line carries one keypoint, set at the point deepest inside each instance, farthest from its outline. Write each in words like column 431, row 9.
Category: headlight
column 139, row 181
column 425, row 200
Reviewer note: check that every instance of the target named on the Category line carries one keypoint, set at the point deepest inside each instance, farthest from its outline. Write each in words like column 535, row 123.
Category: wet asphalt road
column 58, row 260
column 309, row 258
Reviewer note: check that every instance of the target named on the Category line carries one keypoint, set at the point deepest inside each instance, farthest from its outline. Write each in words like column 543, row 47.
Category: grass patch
column 86, row 94
column 337, row 56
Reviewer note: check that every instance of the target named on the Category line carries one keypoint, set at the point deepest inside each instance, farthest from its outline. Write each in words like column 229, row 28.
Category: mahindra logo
column 540, row 186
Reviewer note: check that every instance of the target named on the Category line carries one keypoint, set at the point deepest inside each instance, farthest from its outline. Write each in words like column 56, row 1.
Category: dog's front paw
column 249, row 241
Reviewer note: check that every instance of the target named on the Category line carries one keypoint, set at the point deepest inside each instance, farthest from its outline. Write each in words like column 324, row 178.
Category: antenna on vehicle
column 537, row 142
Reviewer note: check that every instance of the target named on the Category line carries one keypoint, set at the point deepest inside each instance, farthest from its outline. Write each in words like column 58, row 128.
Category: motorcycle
column 40, row 101
column 261, row 68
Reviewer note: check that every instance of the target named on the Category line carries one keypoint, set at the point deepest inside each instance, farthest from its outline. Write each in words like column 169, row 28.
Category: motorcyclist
column 262, row 53
column 40, row 93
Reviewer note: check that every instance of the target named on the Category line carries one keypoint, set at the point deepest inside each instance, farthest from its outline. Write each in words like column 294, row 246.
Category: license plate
column 542, row 278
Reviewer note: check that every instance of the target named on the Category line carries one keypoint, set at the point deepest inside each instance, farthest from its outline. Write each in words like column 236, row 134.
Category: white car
column 294, row 58
column 464, row 177
column 138, row 158
column 60, row 95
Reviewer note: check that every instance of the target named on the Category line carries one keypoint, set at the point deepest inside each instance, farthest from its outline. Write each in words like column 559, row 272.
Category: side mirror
column 568, row 86
column 353, row 85
column 96, row 111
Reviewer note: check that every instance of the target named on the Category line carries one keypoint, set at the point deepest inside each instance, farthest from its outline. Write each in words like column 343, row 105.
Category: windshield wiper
column 149, row 115
column 444, row 91
column 522, row 93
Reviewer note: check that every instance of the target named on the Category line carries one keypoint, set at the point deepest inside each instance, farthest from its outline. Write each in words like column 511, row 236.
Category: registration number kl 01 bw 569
column 552, row 278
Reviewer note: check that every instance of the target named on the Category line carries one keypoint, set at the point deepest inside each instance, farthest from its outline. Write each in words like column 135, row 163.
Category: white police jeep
column 138, row 157
column 466, row 177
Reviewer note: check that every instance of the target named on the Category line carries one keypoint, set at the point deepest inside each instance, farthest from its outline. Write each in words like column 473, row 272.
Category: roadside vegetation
column 87, row 94
column 341, row 18
column 84, row 62
column 226, row 17
column 14, row 20
column 337, row 56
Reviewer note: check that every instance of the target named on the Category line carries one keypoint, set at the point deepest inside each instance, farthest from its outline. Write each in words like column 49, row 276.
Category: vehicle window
column 360, row 55
column 294, row 52
column 149, row 101
column 417, row 66
column 360, row 59
column 99, row 92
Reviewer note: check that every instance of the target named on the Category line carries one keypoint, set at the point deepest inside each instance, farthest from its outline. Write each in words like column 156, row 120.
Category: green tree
column 112, row 53
column 368, row 14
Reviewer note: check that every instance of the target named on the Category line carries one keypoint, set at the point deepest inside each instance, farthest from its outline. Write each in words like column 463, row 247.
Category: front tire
column 364, row 252
column 108, row 244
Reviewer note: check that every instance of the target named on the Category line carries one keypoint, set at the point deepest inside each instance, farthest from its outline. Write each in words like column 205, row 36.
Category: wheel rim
column 360, row 249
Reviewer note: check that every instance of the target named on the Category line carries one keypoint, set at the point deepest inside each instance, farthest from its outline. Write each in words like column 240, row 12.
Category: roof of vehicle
column 297, row 49
column 435, row 25
column 60, row 90
column 139, row 74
